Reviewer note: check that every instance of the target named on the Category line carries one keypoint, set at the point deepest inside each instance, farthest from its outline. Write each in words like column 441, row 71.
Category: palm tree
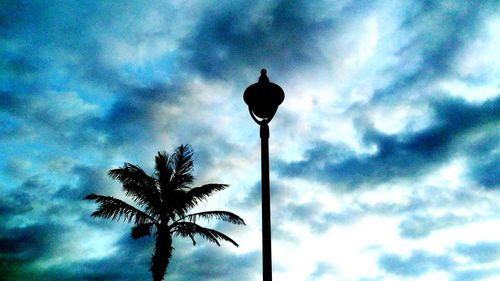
column 164, row 199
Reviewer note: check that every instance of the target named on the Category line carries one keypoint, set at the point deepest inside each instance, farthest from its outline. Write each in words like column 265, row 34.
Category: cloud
column 481, row 252
column 483, row 156
column 475, row 274
column 399, row 156
column 418, row 263
column 209, row 262
column 372, row 107
column 112, row 267
column 63, row 81
column 31, row 242
column 420, row 226
column 420, row 211
column 433, row 49
column 41, row 225
column 242, row 36
column 313, row 216
column 323, row 269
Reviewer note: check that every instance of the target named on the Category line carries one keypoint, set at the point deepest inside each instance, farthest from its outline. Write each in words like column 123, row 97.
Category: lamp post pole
column 263, row 99
column 266, row 204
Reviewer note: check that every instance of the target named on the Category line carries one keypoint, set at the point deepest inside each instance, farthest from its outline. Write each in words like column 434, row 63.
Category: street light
column 263, row 99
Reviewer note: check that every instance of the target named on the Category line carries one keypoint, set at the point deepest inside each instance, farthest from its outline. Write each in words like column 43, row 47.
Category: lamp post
column 263, row 99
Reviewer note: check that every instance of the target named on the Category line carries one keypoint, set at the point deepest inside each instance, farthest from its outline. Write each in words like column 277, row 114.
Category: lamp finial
column 263, row 76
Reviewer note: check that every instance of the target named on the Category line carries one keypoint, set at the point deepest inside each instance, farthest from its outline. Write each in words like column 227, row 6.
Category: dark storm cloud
column 484, row 159
column 31, row 242
column 57, row 48
column 404, row 155
column 284, row 34
column 39, row 199
column 209, row 262
column 21, row 247
column 114, row 267
column 37, row 115
column 29, row 230
column 44, row 208
column 129, row 120
column 88, row 180
column 47, row 34
column 35, row 225
column 130, row 261
column 38, row 196
column 439, row 32
column 486, row 172
column 20, row 201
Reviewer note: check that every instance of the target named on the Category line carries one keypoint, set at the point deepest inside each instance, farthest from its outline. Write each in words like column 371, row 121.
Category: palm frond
column 200, row 193
column 189, row 229
column 141, row 230
column 116, row 209
column 180, row 201
column 183, row 166
column 139, row 186
column 221, row 215
column 163, row 169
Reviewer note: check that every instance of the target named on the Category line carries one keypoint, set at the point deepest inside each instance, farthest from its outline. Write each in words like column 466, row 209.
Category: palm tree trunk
column 161, row 256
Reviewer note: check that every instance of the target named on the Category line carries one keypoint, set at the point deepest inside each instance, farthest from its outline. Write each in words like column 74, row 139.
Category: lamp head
column 263, row 97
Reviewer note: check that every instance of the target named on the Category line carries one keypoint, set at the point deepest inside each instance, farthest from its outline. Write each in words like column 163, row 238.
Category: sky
column 384, row 155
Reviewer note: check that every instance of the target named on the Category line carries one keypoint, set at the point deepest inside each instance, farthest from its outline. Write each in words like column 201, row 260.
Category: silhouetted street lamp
column 263, row 99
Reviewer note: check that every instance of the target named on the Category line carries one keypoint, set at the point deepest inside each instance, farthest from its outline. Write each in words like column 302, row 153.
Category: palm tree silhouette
column 164, row 199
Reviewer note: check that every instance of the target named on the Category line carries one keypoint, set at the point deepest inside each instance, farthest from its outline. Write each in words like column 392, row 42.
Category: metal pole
column 266, row 204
